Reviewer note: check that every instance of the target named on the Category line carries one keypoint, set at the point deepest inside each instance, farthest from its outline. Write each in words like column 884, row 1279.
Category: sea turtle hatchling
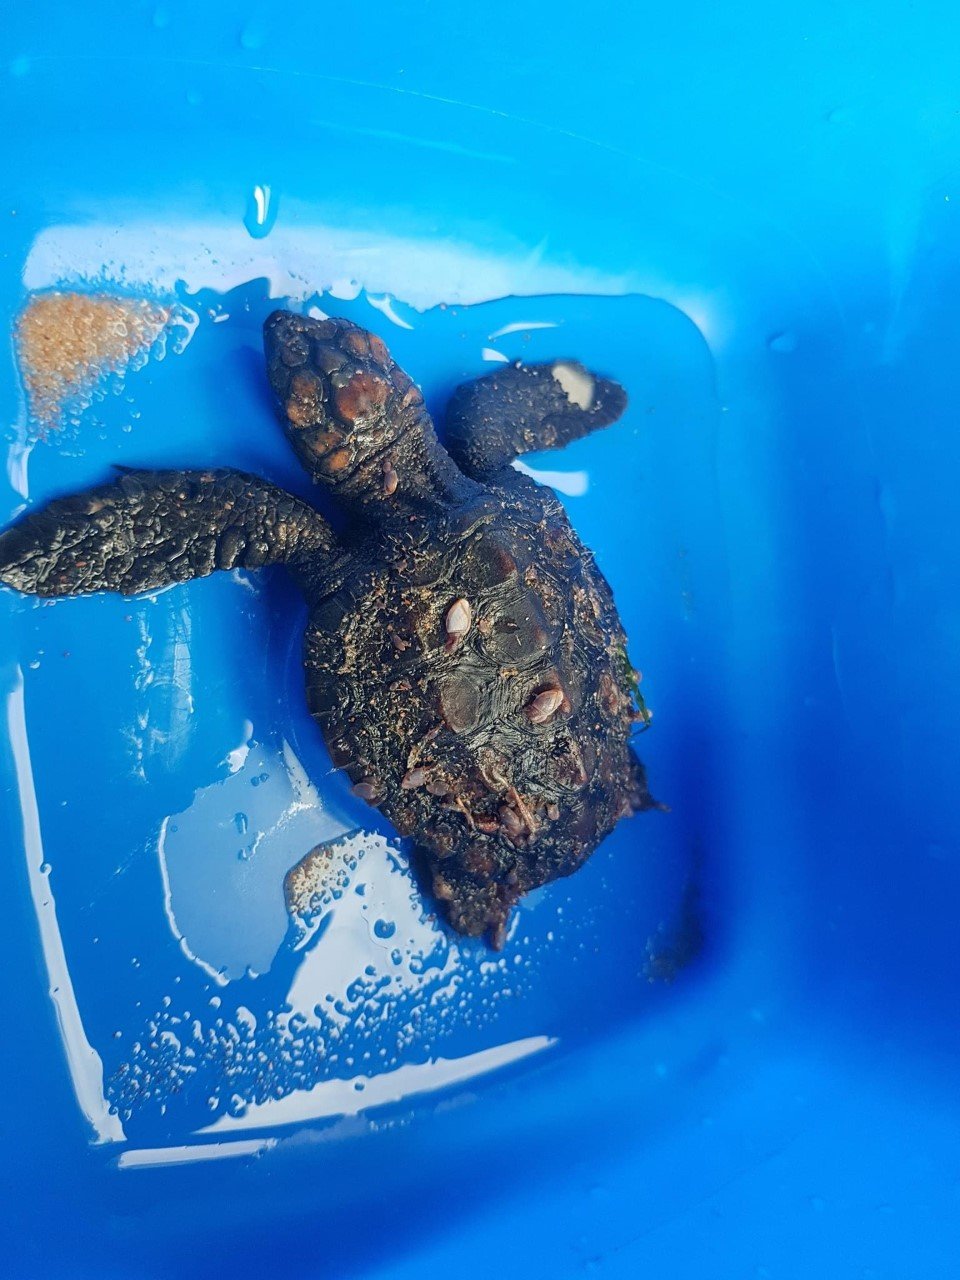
column 463, row 655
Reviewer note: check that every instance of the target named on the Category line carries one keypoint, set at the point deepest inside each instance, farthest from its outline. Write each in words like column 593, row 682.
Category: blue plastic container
column 727, row 1047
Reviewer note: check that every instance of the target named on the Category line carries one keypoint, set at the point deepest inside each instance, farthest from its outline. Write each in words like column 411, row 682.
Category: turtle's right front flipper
column 151, row 529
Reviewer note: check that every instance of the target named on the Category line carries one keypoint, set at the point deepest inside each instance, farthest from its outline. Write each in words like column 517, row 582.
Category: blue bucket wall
column 780, row 189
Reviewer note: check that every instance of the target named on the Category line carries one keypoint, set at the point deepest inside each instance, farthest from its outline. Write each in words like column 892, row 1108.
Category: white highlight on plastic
column 151, row 1157
column 299, row 262
column 710, row 313
column 522, row 326
column 226, row 908
column 261, row 196
column 86, row 1066
column 18, row 456
column 489, row 353
column 346, row 289
column 341, row 1098
column 385, row 306
column 573, row 484
column 219, row 978
column 161, row 727
column 237, row 758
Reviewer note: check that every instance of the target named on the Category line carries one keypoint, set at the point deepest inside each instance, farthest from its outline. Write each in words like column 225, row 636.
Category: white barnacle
column 575, row 383
column 457, row 621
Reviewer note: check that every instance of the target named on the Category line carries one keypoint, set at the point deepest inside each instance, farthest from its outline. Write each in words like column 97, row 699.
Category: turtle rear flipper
column 151, row 529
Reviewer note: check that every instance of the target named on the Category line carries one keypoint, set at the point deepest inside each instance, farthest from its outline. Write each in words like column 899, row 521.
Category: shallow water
column 202, row 996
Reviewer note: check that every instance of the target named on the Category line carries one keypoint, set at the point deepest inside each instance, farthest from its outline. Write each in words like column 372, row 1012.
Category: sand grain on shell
column 66, row 342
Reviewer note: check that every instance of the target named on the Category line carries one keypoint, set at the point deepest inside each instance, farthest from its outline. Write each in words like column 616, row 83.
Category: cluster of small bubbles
column 241, row 1059
column 244, row 1066
column 410, row 998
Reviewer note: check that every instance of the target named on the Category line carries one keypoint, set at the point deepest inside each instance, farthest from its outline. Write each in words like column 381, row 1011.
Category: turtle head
column 348, row 410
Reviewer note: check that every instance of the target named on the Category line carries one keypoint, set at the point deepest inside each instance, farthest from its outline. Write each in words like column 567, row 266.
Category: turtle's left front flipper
column 522, row 408
column 151, row 529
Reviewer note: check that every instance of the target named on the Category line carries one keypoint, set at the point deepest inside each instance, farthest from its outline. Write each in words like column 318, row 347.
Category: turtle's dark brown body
column 463, row 655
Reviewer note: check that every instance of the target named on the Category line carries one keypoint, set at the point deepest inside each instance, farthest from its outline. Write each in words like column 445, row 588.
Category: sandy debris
column 66, row 342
